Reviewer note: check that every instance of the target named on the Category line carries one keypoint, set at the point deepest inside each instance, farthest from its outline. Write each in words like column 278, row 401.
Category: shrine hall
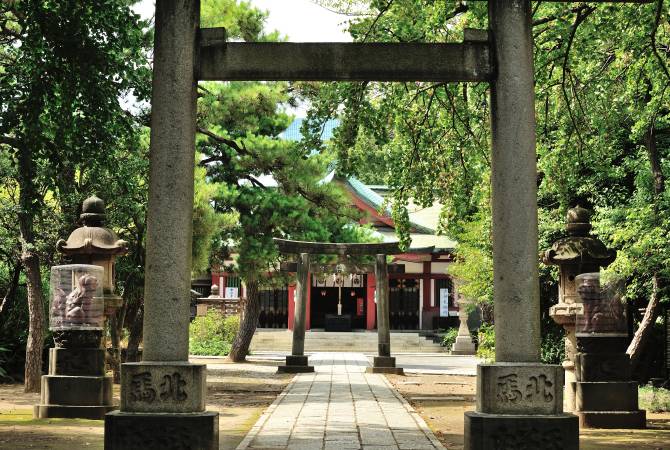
column 422, row 295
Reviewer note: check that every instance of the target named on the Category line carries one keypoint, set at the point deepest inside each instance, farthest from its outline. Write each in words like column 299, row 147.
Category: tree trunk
column 240, row 347
column 11, row 291
column 28, row 208
column 115, row 330
column 641, row 337
column 33, row 369
column 135, row 335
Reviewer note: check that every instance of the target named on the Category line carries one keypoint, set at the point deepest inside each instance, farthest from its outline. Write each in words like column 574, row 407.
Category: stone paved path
column 340, row 407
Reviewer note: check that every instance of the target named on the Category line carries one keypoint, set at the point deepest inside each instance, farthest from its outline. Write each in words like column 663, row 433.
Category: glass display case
column 76, row 300
column 604, row 313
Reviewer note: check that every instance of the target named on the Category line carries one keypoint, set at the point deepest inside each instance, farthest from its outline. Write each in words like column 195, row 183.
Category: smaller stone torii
column 297, row 362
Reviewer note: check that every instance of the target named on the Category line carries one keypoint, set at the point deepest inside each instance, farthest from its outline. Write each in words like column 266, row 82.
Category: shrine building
column 422, row 295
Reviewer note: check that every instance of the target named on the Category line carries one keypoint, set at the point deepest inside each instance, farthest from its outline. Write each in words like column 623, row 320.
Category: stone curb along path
column 340, row 407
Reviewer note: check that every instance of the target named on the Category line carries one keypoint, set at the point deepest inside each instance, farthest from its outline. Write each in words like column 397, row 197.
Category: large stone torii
column 519, row 400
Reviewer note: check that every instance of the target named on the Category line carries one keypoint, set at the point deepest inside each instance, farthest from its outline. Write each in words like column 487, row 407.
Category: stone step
column 281, row 340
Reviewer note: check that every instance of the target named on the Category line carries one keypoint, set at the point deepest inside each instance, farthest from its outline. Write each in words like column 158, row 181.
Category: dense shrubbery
column 212, row 334
column 449, row 338
column 487, row 342
column 654, row 399
column 552, row 350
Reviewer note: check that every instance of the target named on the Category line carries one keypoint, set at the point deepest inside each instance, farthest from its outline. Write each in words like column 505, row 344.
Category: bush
column 654, row 399
column 212, row 335
column 487, row 342
column 449, row 337
column 552, row 349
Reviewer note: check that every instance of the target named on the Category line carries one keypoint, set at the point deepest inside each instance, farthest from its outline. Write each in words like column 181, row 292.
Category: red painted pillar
column 291, row 305
column 371, row 307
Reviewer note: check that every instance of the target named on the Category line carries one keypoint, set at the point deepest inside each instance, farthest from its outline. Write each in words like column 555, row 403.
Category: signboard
column 444, row 302
column 231, row 292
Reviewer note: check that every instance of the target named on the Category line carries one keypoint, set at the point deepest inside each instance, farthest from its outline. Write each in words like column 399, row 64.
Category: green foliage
column 212, row 334
column 449, row 337
column 654, row 399
column 207, row 222
column 486, row 338
column 552, row 347
column 67, row 69
column 603, row 134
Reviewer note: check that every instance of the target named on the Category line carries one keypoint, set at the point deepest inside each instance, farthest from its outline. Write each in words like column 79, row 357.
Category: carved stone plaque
column 163, row 387
column 520, row 388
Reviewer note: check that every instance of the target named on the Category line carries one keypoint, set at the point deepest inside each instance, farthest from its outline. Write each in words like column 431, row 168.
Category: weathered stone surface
column 296, row 360
column 519, row 388
column 77, row 338
column 136, row 431
column 162, row 387
column 385, row 364
column 602, row 344
column 602, row 367
column 463, row 346
column 387, row 370
column 71, row 411
column 607, row 396
column 170, row 203
column 516, row 289
column 77, row 361
column 507, row 432
column 76, row 391
column 383, row 361
column 295, row 369
column 612, row 419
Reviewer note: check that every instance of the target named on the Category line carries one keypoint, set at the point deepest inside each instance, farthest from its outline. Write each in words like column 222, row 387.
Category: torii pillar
column 163, row 396
column 519, row 400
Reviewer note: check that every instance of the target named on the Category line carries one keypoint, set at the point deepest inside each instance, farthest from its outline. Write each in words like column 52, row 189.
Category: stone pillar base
column 140, row 431
column 612, row 419
column 71, row 412
column 74, row 397
column 384, row 364
column 463, row 346
column 296, row 364
column 502, row 431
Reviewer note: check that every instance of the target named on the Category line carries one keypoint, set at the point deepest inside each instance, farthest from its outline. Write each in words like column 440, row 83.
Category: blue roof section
column 368, row 195
column 292, row 133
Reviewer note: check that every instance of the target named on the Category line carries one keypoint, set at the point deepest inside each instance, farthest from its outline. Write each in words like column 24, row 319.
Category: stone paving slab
column 340, row 407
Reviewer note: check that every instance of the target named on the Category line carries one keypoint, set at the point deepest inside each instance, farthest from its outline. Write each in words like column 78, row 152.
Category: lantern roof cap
column 579, row 247
column 92, row 238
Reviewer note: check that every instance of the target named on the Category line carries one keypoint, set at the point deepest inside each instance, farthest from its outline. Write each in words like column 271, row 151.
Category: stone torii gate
column 518, row 400
column 297, row 362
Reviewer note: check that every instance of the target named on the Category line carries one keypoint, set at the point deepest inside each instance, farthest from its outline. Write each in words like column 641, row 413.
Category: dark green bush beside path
column 212, row 335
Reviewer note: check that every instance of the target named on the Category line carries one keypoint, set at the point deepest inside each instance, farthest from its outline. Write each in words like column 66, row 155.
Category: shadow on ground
column 239, row 392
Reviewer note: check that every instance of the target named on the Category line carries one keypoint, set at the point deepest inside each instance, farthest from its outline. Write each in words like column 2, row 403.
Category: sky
column 300, row 20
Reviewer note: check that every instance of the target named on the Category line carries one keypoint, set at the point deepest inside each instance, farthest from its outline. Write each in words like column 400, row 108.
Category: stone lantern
column 578, row 253
column 82, row 294
column 94, row 244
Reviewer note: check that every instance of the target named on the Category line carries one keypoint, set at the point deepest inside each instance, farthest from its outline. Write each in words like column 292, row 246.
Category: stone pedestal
column 605, row 395
column 296, row 364
column 520, row 405
column 463, row 344
column 385, row 364
column 76, row 385
column 162, row 406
